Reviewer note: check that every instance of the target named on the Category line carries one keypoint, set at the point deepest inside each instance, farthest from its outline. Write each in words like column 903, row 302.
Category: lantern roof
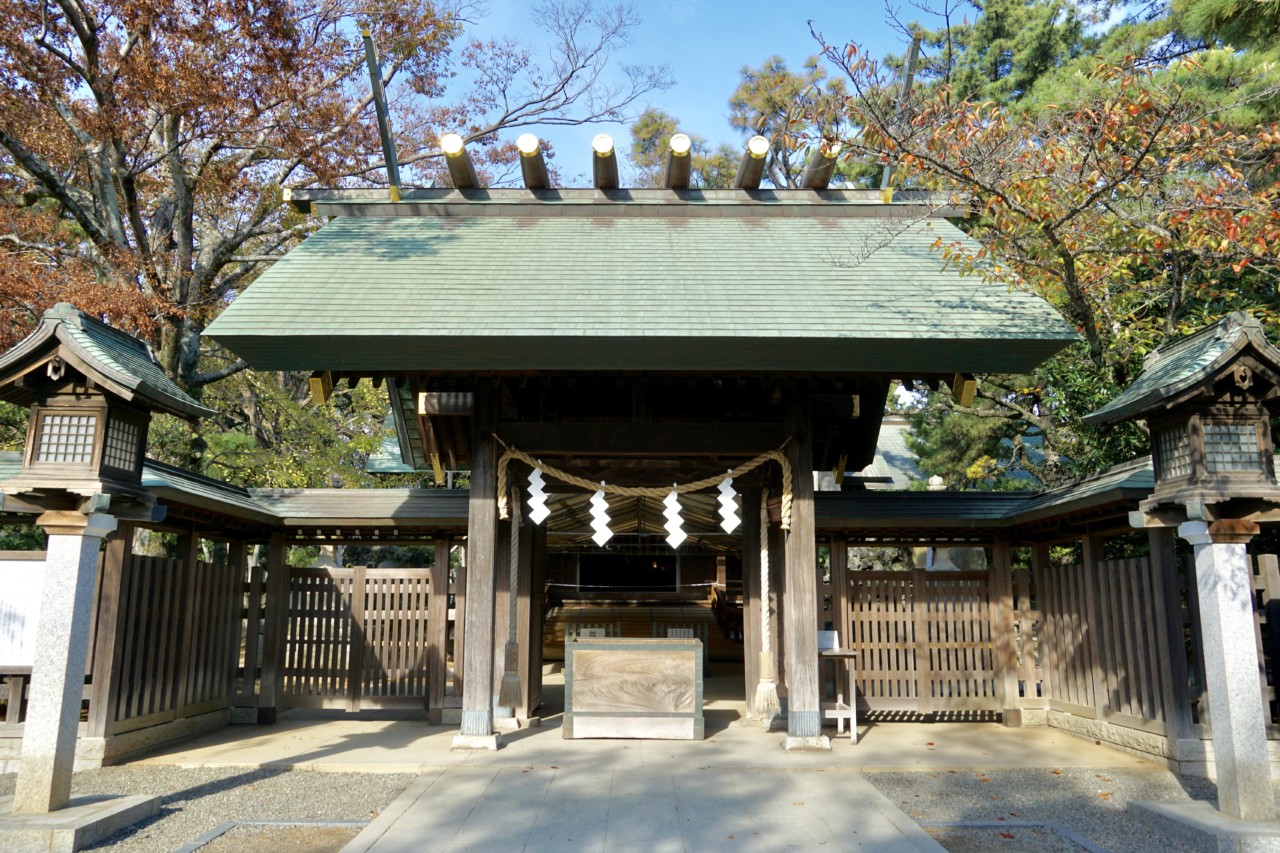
column 1189, row 367
column 113, row 359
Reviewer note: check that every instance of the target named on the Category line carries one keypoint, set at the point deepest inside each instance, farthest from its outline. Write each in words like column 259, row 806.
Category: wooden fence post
column 437, row 632
column 274, row 633
column 1095, row 639
column 841, row 619
column 108, row 641
column 1005, row 652
column 237, row 559
column 358, row 636
column 253, row 625
column 184, row 672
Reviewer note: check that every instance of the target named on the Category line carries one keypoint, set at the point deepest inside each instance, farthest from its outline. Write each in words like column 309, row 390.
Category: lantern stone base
column 84, row 822
column 1200, row 826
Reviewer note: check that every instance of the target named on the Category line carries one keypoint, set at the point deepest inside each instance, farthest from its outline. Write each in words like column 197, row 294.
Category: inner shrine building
column 644, row 341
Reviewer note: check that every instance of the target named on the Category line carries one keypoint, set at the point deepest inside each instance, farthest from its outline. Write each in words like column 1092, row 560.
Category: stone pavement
column 735, row 789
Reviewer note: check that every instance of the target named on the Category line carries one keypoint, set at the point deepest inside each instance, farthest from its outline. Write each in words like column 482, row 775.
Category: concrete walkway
column 735, row 789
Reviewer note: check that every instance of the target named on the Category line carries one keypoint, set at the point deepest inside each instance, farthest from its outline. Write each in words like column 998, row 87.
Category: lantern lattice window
column 67, row 438
column 1231, row 447
column 122, row 445
column 1175, row 453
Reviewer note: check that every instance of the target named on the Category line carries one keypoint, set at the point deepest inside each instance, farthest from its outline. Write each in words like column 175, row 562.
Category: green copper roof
column 120, row 361
column 1180, row 366
column 653, row 292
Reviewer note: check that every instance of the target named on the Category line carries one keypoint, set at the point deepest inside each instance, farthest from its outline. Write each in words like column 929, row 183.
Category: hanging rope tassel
column 766, row 706
column 509, row 692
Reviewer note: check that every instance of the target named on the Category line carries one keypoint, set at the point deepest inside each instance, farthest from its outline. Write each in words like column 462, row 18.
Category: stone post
column 62, row 645
column 1224, row 591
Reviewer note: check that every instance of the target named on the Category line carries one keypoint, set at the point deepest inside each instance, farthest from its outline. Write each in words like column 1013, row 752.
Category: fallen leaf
column 798, row 803
column 1056, row 772
column 929, row 744
column 1104, row 795
column 1006, row 835
column 1013, row 814
column 980, row 779
column 731, row 837
column 996, row 797
column 1104, row 778
column 1097, row 743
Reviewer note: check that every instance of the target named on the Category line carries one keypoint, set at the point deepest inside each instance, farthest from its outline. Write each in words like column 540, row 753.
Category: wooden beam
column 643, row 439
column 820, row 168
column 321, row 385
column 963, row 387
column 604, row 162
column 533, row 166
column 462, row 172
column 751, row 166
column 679, row 168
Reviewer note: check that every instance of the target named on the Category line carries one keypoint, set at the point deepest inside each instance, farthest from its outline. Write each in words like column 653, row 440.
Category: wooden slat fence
column 1027, row 626
column 179, row 652
column 923, row 640
column 358, row 638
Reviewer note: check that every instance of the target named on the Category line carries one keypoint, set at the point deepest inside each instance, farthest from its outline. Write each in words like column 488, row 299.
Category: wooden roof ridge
column 116, row 360
column 1178, row 368
column 624, row 202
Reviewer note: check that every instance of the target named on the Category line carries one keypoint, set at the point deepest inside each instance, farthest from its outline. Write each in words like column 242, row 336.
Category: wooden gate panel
column 923, row 641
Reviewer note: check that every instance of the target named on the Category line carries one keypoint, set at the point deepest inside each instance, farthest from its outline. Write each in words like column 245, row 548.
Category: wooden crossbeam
column 963, row 387
column 321, row 386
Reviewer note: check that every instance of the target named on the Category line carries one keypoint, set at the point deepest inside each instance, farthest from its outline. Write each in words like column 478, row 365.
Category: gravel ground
column 1016, row 811
column 197, row 800
column 1090, row 804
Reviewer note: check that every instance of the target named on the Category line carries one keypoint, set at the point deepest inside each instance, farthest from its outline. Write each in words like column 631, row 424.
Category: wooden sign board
column 633, row 688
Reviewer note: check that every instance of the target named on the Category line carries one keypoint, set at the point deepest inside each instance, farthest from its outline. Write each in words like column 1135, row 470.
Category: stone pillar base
column 470, row 743
column 821, row 743
column 82, row 823
column 1200, row 826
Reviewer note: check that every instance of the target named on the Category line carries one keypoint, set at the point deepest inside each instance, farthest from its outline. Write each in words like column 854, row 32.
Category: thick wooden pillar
column 1004, row 644
column 841, row 618
column 108, row 648
column 437, row 632
column 777, row 539
column 501, row 614
column 459, row 589
column 804, row 712
column 751, row 597
column 482, row 529
column 274, row 631
column 529, row 624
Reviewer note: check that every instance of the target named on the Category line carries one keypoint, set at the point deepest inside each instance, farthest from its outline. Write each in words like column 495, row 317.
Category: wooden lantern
column 91, row 390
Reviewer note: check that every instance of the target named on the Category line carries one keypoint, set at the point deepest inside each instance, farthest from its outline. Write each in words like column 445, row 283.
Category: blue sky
column 705, row 43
